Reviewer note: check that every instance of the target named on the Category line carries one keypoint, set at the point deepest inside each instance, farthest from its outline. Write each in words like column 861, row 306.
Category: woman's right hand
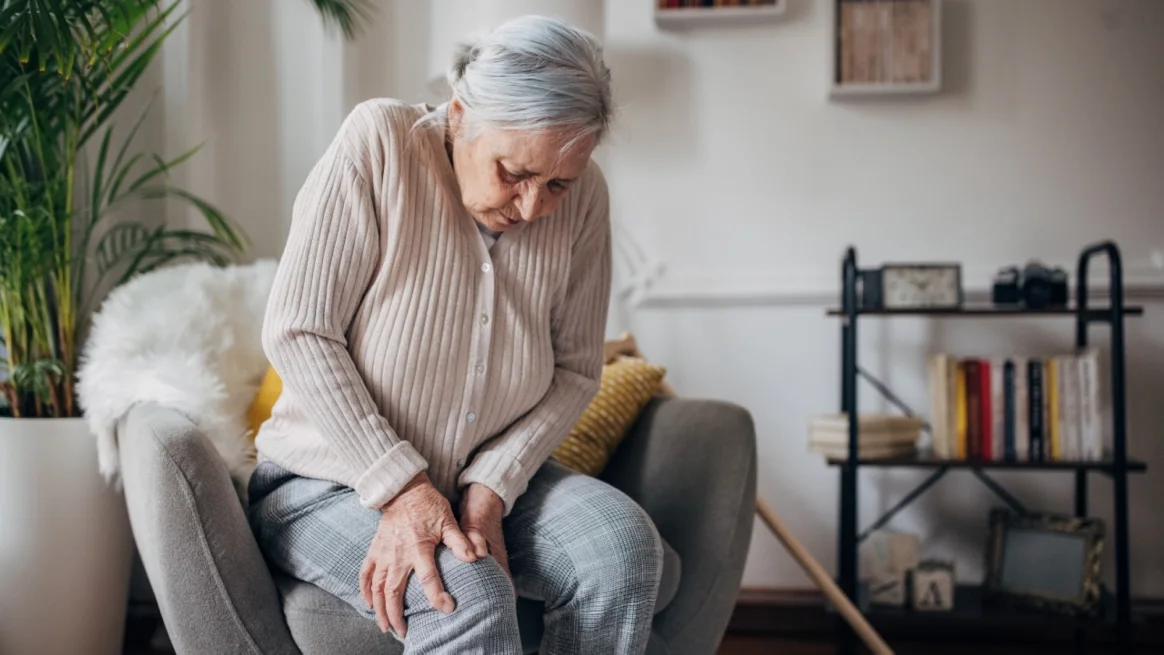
column 411, row 526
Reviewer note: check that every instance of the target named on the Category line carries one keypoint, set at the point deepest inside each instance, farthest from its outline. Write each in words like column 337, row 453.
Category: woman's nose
column 529, row 202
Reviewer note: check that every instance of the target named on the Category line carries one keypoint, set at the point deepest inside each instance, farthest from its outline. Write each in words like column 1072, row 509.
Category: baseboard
column 803, row 614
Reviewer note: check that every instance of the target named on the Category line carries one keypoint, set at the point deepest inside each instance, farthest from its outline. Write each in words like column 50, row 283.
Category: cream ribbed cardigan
column 405, row 344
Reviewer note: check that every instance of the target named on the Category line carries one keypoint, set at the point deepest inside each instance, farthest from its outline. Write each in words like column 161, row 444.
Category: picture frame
column 1045, row 561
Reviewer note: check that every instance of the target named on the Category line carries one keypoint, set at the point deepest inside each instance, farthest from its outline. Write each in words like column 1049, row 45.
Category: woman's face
column 507, row 176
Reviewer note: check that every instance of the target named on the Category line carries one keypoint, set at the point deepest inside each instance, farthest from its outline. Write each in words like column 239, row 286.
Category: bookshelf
column 1115, row 464
column 682, row 14
column 885, row 48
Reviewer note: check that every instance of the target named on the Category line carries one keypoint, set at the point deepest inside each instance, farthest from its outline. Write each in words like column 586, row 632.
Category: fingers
column 459, row 543
column 480, row 545
column 366, row 580
column 394, row 602
column 379, row 584
column 430, row 579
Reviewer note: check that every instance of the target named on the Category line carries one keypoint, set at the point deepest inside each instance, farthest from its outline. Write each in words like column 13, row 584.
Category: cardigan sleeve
column 506, row 463
column 331, row 256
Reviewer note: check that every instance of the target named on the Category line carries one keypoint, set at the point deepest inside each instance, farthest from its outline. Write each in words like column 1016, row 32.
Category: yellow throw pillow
column 628, row 384
column 265, row 397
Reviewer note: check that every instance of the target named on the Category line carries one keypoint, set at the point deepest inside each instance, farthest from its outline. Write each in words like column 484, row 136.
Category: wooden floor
column 760, row 645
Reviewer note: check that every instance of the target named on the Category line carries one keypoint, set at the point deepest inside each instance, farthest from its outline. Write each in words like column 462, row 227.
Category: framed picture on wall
column 886, row 47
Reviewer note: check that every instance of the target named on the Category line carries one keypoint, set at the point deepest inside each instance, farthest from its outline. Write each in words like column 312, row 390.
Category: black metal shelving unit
column 969, row 607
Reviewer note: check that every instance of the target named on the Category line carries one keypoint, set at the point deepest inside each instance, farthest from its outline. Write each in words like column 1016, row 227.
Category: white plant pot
column 66, row 549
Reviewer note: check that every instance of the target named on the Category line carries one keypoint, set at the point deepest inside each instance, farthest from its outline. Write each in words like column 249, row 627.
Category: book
column 960, row 410
column 1035, row 402
column 986, row 402
column 1008, row 413
column 997, row 410
column 939, row 408
column 1052, row 373
column 1022, row 410
column 973, row 408
column 1092, row 442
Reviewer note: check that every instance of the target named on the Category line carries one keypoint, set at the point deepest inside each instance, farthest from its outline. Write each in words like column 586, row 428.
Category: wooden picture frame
column 1045, row 561
column 885, row 48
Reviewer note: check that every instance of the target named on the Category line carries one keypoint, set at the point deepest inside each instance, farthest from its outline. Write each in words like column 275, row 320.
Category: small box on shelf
column 681, row 14
column 886, row 47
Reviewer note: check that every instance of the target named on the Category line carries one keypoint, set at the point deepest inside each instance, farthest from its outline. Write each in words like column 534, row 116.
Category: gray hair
column 532, row 73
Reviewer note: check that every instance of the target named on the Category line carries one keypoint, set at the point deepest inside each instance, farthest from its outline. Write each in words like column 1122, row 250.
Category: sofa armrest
column 207, row 573
column 691, row 464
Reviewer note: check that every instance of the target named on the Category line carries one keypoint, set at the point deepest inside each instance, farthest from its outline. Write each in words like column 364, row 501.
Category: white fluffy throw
column 187, row 338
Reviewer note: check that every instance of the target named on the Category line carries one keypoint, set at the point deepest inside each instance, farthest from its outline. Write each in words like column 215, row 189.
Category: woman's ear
column 456, row 116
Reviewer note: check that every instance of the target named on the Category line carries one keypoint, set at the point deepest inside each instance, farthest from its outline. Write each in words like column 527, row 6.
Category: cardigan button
column 484, row 319
column 470, row 417
column 486, row 267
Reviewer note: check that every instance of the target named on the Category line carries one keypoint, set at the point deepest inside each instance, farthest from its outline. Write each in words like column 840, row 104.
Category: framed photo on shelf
column 1044, row 561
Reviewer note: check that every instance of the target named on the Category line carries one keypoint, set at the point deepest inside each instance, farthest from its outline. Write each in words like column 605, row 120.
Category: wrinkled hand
column 481, row 514
column 411, row 526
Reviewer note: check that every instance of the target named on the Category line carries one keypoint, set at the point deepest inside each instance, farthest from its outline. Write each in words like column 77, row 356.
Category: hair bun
column 465, row 53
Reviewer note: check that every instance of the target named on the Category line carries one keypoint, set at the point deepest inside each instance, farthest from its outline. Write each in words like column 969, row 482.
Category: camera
column 1036, row 286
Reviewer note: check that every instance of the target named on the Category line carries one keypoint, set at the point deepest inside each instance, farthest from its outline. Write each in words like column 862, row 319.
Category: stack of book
column 1021, row 409
column 879, row 436
column 668, row 4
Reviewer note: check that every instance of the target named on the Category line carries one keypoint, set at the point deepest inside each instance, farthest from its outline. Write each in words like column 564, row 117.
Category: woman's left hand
column 481, row 513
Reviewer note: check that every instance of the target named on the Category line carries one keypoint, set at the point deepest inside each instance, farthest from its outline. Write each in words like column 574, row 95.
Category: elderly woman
column 437, row 320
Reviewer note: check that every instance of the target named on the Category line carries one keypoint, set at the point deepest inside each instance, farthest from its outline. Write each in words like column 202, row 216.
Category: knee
column 625, row 551
column 481, row 588
column 634, row 541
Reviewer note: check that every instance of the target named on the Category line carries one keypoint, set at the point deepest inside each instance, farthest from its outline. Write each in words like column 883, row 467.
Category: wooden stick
column 822, row 579
column 626, row 345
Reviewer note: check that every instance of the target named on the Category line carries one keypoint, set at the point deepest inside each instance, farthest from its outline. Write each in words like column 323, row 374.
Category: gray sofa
column 689, row 463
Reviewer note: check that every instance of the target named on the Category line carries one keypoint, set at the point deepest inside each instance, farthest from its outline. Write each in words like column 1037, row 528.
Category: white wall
column 731, row 166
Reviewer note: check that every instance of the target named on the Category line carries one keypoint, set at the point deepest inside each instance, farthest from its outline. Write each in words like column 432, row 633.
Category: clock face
column 921, row 287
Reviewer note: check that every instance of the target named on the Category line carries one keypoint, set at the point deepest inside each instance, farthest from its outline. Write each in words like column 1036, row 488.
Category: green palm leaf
column 347, row 15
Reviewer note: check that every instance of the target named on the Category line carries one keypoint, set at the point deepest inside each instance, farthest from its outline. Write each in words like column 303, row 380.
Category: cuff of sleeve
column 501, row 473
column 388, row 475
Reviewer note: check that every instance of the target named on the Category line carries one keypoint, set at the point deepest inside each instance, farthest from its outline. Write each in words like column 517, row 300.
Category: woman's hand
column 481, row 513
column 411, row 526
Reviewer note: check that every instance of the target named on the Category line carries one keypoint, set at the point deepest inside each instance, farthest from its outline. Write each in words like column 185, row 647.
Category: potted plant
column 66, row 69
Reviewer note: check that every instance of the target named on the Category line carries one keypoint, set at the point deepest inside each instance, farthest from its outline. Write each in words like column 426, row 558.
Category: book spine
column 1071, row 415
column 997, row 411
column 1035, row 404
column 1054, row 437
column 1022, row 411
column 939, row 424
column 960, row 411
column 1008, row 413
column 986, row 400
column 1092, row 439
column 973, row 409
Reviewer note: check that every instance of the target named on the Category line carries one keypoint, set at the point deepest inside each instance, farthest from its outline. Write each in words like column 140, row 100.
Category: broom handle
column 822, row 579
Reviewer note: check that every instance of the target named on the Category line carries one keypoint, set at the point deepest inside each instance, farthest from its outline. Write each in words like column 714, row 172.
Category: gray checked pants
column 583, row 547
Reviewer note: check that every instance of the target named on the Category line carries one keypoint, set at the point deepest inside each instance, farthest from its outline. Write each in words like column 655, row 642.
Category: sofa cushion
column 322, row 623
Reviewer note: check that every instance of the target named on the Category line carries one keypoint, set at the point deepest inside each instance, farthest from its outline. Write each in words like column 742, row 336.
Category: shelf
column 924, row 461
column 838, row 91
column 971, row 608
column 1093, row 313
column 683, row 17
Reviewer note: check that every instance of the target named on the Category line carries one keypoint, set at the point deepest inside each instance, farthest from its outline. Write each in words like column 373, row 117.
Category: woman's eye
column 557, row 187
column 509, row 178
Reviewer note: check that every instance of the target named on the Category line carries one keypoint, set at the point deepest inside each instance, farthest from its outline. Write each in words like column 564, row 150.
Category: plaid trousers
column 584, row 548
